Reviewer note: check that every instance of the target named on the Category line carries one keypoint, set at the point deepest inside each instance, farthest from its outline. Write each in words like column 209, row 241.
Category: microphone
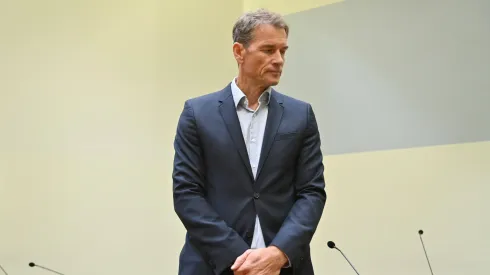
column 31, row 264
column 332, row 245
column 5, row 272
column 427, row 257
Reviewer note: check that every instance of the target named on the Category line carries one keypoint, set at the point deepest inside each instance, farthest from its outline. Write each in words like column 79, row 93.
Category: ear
column 238, row 52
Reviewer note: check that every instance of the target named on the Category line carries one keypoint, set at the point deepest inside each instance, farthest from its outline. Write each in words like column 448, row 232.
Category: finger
column 240, row 260
column 245, row 268
column 249, row 265
column 269, row 272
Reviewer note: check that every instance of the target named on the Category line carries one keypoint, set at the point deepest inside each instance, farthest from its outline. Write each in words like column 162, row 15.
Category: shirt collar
column 239, row 96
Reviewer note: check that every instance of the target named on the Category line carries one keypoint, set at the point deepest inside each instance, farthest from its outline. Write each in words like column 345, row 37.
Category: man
column 248, row 173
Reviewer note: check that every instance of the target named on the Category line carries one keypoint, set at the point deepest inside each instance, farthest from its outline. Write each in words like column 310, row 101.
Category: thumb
column 240, row 260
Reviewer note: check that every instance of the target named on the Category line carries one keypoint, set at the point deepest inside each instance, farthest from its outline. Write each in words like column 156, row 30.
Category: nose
column 278, row 58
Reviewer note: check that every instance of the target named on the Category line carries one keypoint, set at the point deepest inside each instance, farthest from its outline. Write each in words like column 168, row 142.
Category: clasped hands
column 261, row 261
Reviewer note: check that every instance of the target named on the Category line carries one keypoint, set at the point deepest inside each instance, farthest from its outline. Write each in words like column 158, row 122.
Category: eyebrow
column 268, row 46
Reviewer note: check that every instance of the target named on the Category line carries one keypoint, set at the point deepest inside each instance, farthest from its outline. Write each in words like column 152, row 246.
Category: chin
column 273, row 81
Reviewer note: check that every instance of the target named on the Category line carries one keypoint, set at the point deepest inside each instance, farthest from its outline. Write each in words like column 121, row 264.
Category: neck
column 250, row 88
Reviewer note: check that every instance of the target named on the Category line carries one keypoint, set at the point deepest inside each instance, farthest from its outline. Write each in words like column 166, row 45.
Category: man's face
column 263, row 59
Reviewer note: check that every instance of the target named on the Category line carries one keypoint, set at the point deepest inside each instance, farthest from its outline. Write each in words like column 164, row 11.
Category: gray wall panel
column 387, row 74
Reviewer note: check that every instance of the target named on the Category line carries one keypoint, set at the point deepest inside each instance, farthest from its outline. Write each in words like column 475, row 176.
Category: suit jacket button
column 249, row 235
column 256, row 195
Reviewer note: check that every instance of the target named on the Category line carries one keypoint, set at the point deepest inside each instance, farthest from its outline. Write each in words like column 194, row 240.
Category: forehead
column 269, row 34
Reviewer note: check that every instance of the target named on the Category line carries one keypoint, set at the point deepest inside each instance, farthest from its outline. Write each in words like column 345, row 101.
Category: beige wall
column 286, row 6
column 90, row 92
column 379, row 200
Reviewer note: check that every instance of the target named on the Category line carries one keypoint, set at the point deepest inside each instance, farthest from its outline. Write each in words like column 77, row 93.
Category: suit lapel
column 274, row 118
column 228, row 113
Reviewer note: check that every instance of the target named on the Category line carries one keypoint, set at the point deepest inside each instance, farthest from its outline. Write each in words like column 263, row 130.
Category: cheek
column 263, row 65
column 256, row 66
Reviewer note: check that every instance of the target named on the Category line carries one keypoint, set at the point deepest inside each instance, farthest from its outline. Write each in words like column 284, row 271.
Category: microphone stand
column 45, row 268
column 347, row 260
column 332, row 245
column 1, row 267
column 425, row 251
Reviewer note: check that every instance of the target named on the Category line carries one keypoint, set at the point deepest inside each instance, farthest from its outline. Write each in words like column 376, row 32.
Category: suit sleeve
column 298, row 228
column 219, row 243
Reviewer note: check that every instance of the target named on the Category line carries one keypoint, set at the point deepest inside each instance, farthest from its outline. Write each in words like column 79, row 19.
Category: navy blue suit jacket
column 217, row 198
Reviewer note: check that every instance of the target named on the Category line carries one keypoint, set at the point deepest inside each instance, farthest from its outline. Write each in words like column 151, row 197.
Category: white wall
column 90, row 92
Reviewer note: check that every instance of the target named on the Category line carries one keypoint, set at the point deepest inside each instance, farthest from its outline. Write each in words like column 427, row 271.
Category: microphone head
column 31, row 264
column 331, row 244
column 421, row 232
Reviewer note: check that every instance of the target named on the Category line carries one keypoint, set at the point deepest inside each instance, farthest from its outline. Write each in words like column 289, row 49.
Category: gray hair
column 245, row 25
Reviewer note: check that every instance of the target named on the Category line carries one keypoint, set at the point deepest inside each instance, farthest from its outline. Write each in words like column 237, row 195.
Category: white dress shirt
column 252, row 123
